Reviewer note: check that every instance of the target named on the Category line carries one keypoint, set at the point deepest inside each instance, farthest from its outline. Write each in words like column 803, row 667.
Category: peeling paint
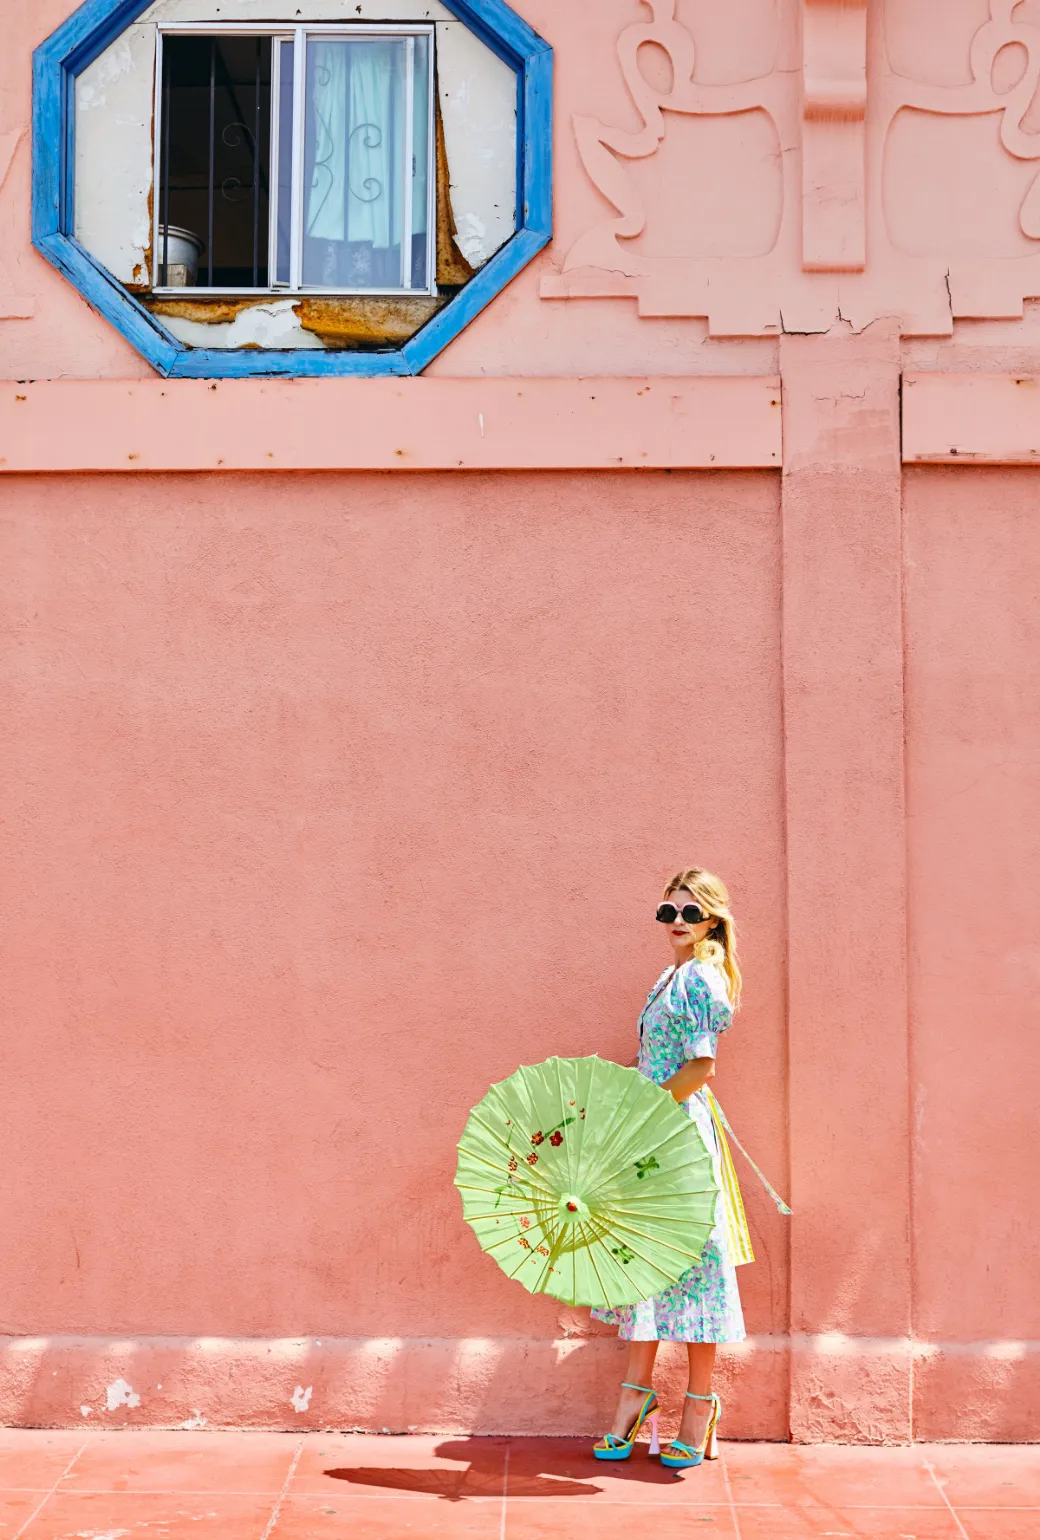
column 269, row 324
column 120, row 1393
column 360, row 321
column 85, row 1411
column 208, row 312
column 113, row 64
column 478, row 105
column 347, row 321
column 114, row 154
column 301, row 1399
column 472, row 237
column 195, row 1421
column 453, row 269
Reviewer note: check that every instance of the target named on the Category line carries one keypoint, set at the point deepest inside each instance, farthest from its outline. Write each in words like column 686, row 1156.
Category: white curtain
column 354, row 142
column 422, row 153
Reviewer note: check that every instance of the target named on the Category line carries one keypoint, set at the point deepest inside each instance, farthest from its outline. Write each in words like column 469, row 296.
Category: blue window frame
column 97, row 23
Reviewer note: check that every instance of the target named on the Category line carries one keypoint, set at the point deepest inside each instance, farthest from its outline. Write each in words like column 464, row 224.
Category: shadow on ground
column 536, row 1468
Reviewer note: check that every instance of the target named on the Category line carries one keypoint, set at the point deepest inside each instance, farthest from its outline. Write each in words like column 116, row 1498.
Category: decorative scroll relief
column 736, row 292
column 852, row 240
column 986, row 278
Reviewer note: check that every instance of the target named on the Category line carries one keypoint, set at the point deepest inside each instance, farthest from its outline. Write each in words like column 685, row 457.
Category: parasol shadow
column 455, row 1486
column 564, row 1461
column 536, row 1468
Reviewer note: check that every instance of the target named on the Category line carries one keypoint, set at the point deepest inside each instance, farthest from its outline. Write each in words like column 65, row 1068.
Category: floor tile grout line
column 942, row 1493
column 41, row 1505
column 277, row 1509
column 729, row 1492
column 600, row 1501
column 505, row 1494
column 157, row 1492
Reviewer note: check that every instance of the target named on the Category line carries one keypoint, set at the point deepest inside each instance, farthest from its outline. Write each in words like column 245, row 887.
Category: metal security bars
column 297, row 160
column 215, row 162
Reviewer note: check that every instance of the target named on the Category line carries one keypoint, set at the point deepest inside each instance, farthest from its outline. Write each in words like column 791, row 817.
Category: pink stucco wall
column 973, row 682
column 335, row 787
column 331, row 800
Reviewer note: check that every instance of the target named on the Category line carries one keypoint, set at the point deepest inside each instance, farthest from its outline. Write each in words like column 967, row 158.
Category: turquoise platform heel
column 679, row 1456
column 613, row 1447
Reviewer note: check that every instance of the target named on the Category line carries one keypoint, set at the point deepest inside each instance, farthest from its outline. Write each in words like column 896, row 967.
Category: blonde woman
column 688, row 1008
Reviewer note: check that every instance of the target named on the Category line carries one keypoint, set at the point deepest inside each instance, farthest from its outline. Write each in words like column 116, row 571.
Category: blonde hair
column 720, row 944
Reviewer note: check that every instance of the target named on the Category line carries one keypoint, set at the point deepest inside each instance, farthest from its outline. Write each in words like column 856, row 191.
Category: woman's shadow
column 535, row 1468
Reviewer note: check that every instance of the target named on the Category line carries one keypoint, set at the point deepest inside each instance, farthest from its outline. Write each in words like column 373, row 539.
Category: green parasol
column 586, row 1181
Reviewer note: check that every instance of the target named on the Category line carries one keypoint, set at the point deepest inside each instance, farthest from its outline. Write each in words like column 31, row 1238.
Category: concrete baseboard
column 830, row 1389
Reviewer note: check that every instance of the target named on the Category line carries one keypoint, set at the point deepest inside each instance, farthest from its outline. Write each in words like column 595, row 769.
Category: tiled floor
column 280, row 1486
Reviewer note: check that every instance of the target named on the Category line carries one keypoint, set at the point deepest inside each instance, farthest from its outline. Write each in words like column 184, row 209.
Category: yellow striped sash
column 735, row 1218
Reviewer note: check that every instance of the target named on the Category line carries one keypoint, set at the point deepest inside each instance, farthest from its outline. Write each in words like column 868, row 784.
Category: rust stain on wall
column 142, row 275
column 368, row 320
column 208, row 311
column 141, row 282
column 452, row 268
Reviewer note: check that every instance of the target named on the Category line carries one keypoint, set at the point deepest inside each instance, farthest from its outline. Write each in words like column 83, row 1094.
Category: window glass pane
column 286, row 57
column 213, row 193
column 420, row 161
column 354, row 162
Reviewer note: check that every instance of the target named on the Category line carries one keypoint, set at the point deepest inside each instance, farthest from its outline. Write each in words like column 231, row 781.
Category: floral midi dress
column 685, row 1013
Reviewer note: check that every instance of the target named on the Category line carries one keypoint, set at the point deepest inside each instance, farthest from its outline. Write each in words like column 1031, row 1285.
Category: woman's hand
column 694, row 1074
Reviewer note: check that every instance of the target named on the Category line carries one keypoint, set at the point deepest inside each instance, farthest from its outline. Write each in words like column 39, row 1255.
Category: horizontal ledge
column 390, row 424
column 971, row 419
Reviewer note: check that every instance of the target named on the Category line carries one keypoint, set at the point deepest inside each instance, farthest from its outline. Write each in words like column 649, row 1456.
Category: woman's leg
column 696, row 1413
column 640, row 1367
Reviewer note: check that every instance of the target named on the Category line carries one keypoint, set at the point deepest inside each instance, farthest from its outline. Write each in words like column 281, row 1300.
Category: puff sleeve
column 701, row 1011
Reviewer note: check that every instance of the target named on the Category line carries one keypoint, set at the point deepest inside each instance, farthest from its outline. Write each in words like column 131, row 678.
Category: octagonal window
column 338, row 189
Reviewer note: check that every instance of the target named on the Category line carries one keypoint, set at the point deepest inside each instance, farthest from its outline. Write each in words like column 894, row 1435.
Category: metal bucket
column 179, row 251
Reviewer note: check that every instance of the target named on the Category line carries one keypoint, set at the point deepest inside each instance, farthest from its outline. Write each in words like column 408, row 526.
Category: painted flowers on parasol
column 586, row 1181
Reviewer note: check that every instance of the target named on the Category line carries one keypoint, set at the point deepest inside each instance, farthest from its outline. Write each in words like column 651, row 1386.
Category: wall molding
column 704, row 422
column 971, row 419
column 398, row 424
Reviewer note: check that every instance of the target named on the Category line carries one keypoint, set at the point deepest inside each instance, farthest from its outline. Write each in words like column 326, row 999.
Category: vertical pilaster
column 843, row 704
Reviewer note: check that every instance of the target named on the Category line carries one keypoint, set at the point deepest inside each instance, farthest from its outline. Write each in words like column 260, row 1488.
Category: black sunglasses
column 692, row 914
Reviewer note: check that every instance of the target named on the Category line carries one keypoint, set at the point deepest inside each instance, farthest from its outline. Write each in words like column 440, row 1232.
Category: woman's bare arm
column 694, row 1074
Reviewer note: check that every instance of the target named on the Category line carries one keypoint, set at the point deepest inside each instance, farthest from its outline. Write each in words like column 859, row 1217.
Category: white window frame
column 300, row 35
